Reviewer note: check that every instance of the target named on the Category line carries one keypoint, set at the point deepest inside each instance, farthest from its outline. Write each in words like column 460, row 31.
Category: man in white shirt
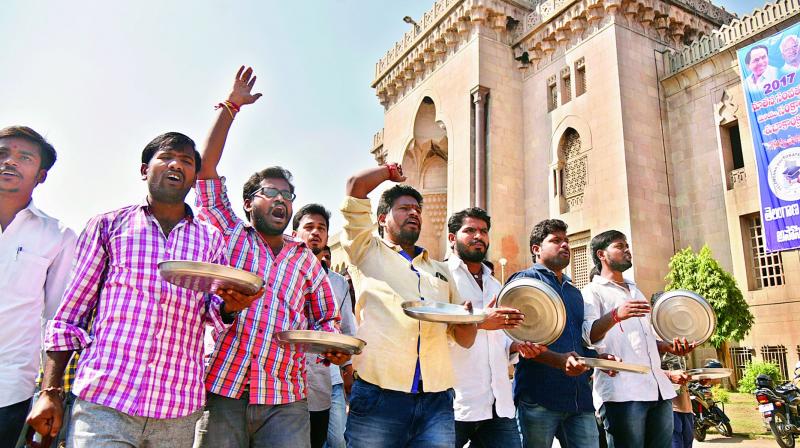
column 35, row 259
column 790, row 50
column 636, row 409
column 761, row 73
column 484, row 405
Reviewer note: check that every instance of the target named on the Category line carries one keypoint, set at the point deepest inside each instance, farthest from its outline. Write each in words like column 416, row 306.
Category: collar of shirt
column 418, row 251
column 545, row 270
column 145, row 205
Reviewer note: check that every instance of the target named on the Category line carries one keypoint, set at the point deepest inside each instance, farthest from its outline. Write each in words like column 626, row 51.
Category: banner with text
column 772, row 90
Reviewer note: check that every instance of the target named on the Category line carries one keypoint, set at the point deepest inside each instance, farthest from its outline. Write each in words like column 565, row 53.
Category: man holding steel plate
column 484, row 406
column 636, row 408
column 552, row 391
column 257, row 387
column 403, row 392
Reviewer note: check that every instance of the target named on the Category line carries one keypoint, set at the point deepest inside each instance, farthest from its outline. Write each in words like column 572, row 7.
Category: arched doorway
column 425, row 165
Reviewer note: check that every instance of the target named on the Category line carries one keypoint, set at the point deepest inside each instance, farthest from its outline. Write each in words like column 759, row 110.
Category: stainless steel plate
column 545, row 314
column 607, row 364
column 683, row 314
column 209, row 277
column 312, row 341
column 709, row 374
column 448, row 313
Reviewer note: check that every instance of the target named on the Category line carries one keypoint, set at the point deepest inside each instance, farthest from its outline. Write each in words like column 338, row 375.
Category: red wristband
column 234, row 106
column 616, row 318
column 392, row 167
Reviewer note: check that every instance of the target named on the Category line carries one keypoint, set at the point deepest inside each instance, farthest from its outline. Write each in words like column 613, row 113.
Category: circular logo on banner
column 783, row 175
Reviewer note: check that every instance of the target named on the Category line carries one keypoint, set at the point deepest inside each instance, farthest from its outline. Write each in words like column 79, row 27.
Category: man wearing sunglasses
column 257, row 388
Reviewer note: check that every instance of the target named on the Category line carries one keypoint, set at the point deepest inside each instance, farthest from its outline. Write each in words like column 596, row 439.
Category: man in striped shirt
column 140, row 375
column 258, row 387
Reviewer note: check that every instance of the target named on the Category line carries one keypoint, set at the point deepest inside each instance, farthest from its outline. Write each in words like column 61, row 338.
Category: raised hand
column 242, row 86
column 633, row 308
column 395, row 172
column 501, row 318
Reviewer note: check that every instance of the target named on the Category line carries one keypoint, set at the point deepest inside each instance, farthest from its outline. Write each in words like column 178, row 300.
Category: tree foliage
column 747, row 385
column 702, row 274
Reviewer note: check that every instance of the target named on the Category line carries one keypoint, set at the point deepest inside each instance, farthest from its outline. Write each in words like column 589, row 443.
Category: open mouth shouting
column 8, row 173
column 412, row 222
column 278, row 212
column 175, row 177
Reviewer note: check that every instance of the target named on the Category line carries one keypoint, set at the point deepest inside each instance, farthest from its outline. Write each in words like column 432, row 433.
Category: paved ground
column 715, row 440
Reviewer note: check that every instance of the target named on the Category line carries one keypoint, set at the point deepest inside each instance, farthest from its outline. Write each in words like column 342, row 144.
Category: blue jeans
column 540, row 425
column 337, row 419
column 638, row 424
column 683, row 434
column 497, row 432
column 386, row 418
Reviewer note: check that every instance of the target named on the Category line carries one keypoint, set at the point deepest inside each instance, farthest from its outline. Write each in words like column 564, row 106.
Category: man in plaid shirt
column 139, row 380
column 258, row 387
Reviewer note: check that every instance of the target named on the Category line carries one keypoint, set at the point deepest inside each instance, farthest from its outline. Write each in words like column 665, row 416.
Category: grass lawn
column 745, row 419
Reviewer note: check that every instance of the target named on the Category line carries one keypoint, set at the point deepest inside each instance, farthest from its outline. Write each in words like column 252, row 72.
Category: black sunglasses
column 270, row 192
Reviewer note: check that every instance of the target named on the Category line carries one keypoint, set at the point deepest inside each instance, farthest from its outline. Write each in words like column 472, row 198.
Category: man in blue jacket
column 552, row 391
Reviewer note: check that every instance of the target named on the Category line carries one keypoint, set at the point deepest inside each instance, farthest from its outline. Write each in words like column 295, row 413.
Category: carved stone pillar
column 479, row 95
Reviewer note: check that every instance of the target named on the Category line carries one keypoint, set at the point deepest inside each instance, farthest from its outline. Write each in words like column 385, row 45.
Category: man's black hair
column 47, row 154
column 544, row 228
column 457, row 220
column 601, row 241
column 170, row 140
column 253, row 184
column 311, row 209
column 747, row 56
column 391, row 195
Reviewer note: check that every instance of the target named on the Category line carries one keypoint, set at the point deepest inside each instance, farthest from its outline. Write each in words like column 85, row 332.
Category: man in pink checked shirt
column 140, row 376
column 257, row 388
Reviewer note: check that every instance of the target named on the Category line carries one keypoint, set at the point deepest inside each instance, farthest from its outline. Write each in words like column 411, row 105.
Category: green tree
column 702, row 274
column 747, row 385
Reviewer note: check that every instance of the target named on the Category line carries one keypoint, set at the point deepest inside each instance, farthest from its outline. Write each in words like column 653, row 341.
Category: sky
column 100, row 79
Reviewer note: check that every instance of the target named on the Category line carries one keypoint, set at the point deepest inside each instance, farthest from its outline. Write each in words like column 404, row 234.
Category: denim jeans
column 386, row 418
column 497, row 432
column 540, row 426
column 337, row 419
column 12, row 420
column 228, row 422
column 683, row 434
column 638, row 424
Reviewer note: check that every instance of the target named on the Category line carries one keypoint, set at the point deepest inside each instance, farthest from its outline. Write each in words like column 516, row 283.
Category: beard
column 406, row 237
column 316, row 250
column 472, row 255
column 620, row 266
column 266, row 228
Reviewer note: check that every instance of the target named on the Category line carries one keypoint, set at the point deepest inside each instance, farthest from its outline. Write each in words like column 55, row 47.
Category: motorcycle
column 779, row 407
column 706, row 412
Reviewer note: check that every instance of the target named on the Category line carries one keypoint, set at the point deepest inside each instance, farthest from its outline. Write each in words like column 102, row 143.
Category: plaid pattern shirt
column 144, row 355
column 298, row 297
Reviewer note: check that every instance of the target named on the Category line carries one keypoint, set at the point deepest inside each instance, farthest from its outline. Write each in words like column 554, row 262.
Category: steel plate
column 209, row 277
column 683, row 314
column 607, row 364
column 448, row 313
column 545, row 314
column 312, row 341
column 709, row 374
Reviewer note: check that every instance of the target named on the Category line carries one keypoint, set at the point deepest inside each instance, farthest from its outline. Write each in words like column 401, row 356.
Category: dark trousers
column 497, row 432
column 683, row 434
column 638, row 424
column 12, row 419
column 319, row 427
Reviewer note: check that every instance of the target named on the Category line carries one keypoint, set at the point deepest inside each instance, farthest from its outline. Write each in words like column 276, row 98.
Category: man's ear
column 451, row 237
column 248, row 205
column 535, row 248
column 382, row 220
column 294, row 233
column 143, row 171
column 41, row 177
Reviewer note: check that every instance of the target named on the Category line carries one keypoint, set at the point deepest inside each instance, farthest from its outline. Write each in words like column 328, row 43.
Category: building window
column 566, row 85
column 552, row 94
column 741, row 357
column 580, row 263
column 776, row 354
column 732, row 155
column 736, row 146
column 573, row 174
column 766, row 268
column 580, row 77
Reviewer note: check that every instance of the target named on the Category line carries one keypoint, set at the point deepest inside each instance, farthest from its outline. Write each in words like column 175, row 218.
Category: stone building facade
column 603, row 113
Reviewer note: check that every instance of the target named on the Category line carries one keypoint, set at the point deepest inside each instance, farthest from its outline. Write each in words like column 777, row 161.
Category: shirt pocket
column 27, row 275
column 434, row 288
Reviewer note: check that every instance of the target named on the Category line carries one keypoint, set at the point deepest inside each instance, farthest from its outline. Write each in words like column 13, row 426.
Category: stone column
column 479, row 95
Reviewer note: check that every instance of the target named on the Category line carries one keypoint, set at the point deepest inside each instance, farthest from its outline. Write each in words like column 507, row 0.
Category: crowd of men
column 124, row 359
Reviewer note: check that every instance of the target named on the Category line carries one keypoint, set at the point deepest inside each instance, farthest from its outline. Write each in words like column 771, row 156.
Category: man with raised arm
column 35, row 259
column 636, row 409
column 403, row 392
column 257, row 386
column 139, row 380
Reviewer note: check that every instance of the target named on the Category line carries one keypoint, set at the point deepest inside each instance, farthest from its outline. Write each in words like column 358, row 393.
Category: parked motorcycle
column 779, row 407
column 707, row 413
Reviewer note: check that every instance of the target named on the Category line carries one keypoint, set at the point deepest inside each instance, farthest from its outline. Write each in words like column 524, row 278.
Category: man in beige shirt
column 403, row 393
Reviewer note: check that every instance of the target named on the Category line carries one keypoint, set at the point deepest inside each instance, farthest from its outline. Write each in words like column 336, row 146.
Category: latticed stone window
column 580, row 77
column 767, row 269
column 574, row 173
column 580, row 263
column 566, row 85
column 776, row 354
column 552, row 94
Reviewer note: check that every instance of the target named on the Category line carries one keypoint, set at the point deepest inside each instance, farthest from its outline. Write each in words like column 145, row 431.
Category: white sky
column 100, row 79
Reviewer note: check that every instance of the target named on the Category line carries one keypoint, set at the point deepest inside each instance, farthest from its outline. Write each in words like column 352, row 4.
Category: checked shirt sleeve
column 68, row 330
column 322, row 304
column 215, row 206
column 213, row 315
